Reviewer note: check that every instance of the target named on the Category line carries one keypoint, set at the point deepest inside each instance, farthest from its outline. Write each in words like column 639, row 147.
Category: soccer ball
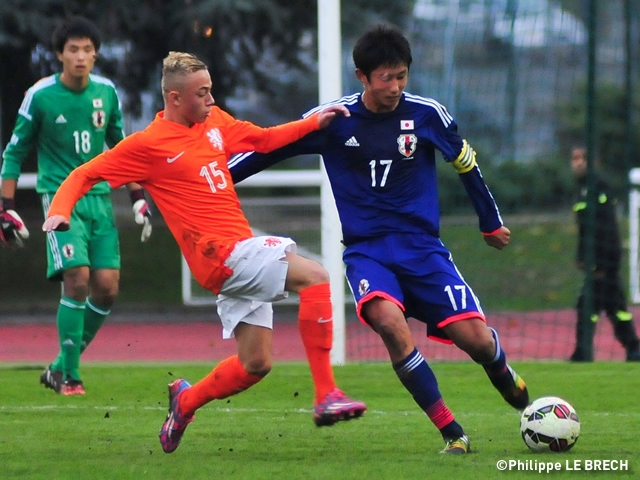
column 550, row 424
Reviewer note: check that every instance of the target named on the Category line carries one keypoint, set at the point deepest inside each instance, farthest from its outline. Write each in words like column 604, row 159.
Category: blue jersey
column 382, row 167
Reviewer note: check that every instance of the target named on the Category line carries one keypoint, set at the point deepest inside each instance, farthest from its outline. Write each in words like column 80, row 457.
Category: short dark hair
column 75, row 27
column 383, row 45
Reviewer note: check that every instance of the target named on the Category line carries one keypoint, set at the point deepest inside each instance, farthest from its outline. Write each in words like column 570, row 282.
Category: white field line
column 38, row 408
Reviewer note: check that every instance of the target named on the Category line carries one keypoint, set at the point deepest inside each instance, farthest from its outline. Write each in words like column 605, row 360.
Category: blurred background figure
column 608, row 292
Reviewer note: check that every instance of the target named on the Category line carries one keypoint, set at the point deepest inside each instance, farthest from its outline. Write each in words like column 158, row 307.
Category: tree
column 611, row 128
column 260, row 49
column 23, row 25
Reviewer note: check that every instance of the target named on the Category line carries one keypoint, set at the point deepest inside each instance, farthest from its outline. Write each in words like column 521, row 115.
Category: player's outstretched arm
column 498, row 239
column 70, row 191
column 326, row 116
column 56, row 222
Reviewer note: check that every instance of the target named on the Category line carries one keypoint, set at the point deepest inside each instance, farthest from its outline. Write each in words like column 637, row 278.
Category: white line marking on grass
column 21, row 408
column 35, row 408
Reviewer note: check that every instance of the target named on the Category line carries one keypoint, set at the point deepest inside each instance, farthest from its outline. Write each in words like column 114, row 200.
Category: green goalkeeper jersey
column 67, row 127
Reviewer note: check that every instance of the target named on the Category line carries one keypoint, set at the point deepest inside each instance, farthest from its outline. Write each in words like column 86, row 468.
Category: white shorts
column 258, row 278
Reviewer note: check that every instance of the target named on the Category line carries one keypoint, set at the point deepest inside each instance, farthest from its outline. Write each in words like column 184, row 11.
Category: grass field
column 536, row 271
column 267, row 432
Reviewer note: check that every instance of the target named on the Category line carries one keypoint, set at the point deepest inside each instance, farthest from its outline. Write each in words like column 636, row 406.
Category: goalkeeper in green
column 69, row 117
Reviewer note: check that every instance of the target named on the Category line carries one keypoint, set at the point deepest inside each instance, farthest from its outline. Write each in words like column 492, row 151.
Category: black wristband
column 8, row 203
column 136, row 195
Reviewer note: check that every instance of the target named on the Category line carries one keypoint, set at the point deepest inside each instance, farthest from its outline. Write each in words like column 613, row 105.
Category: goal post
column 634, row 235
column 330, row 88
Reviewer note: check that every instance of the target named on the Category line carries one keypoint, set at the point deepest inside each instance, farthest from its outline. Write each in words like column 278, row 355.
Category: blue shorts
column 417, row 273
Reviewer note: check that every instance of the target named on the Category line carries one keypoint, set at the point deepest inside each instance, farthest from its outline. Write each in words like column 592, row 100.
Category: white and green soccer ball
column 550, row 424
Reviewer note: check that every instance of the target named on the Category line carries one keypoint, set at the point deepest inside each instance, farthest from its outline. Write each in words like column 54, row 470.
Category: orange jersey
column 185, row 171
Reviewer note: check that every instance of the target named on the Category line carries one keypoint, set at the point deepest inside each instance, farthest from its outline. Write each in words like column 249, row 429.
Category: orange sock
column 228, row 378
column 315, row 321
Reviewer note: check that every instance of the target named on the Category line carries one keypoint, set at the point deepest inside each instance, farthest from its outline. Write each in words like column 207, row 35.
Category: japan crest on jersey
column 407, row 144
column 98, row 118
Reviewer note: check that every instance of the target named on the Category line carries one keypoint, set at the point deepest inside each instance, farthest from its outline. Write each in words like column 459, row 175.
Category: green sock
column 57, row 363
column 94, row 317
column 70, row 320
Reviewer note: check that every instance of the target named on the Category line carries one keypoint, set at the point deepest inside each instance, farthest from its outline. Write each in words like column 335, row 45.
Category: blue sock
column 499, row 362
column 497, row 369
column 418, row 378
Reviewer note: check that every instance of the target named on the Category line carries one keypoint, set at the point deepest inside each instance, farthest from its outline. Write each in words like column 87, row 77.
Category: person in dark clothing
column 608, row 292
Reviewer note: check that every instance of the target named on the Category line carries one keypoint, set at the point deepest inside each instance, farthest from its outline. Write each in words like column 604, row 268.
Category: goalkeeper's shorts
column 92, row 239
column 258, row 278
column 417, row 273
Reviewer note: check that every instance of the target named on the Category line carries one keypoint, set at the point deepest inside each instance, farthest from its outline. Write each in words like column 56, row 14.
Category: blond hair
column 176, row 65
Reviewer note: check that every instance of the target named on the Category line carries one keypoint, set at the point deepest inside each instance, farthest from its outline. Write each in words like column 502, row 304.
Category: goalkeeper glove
column 141, row 212
column 13, row 231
